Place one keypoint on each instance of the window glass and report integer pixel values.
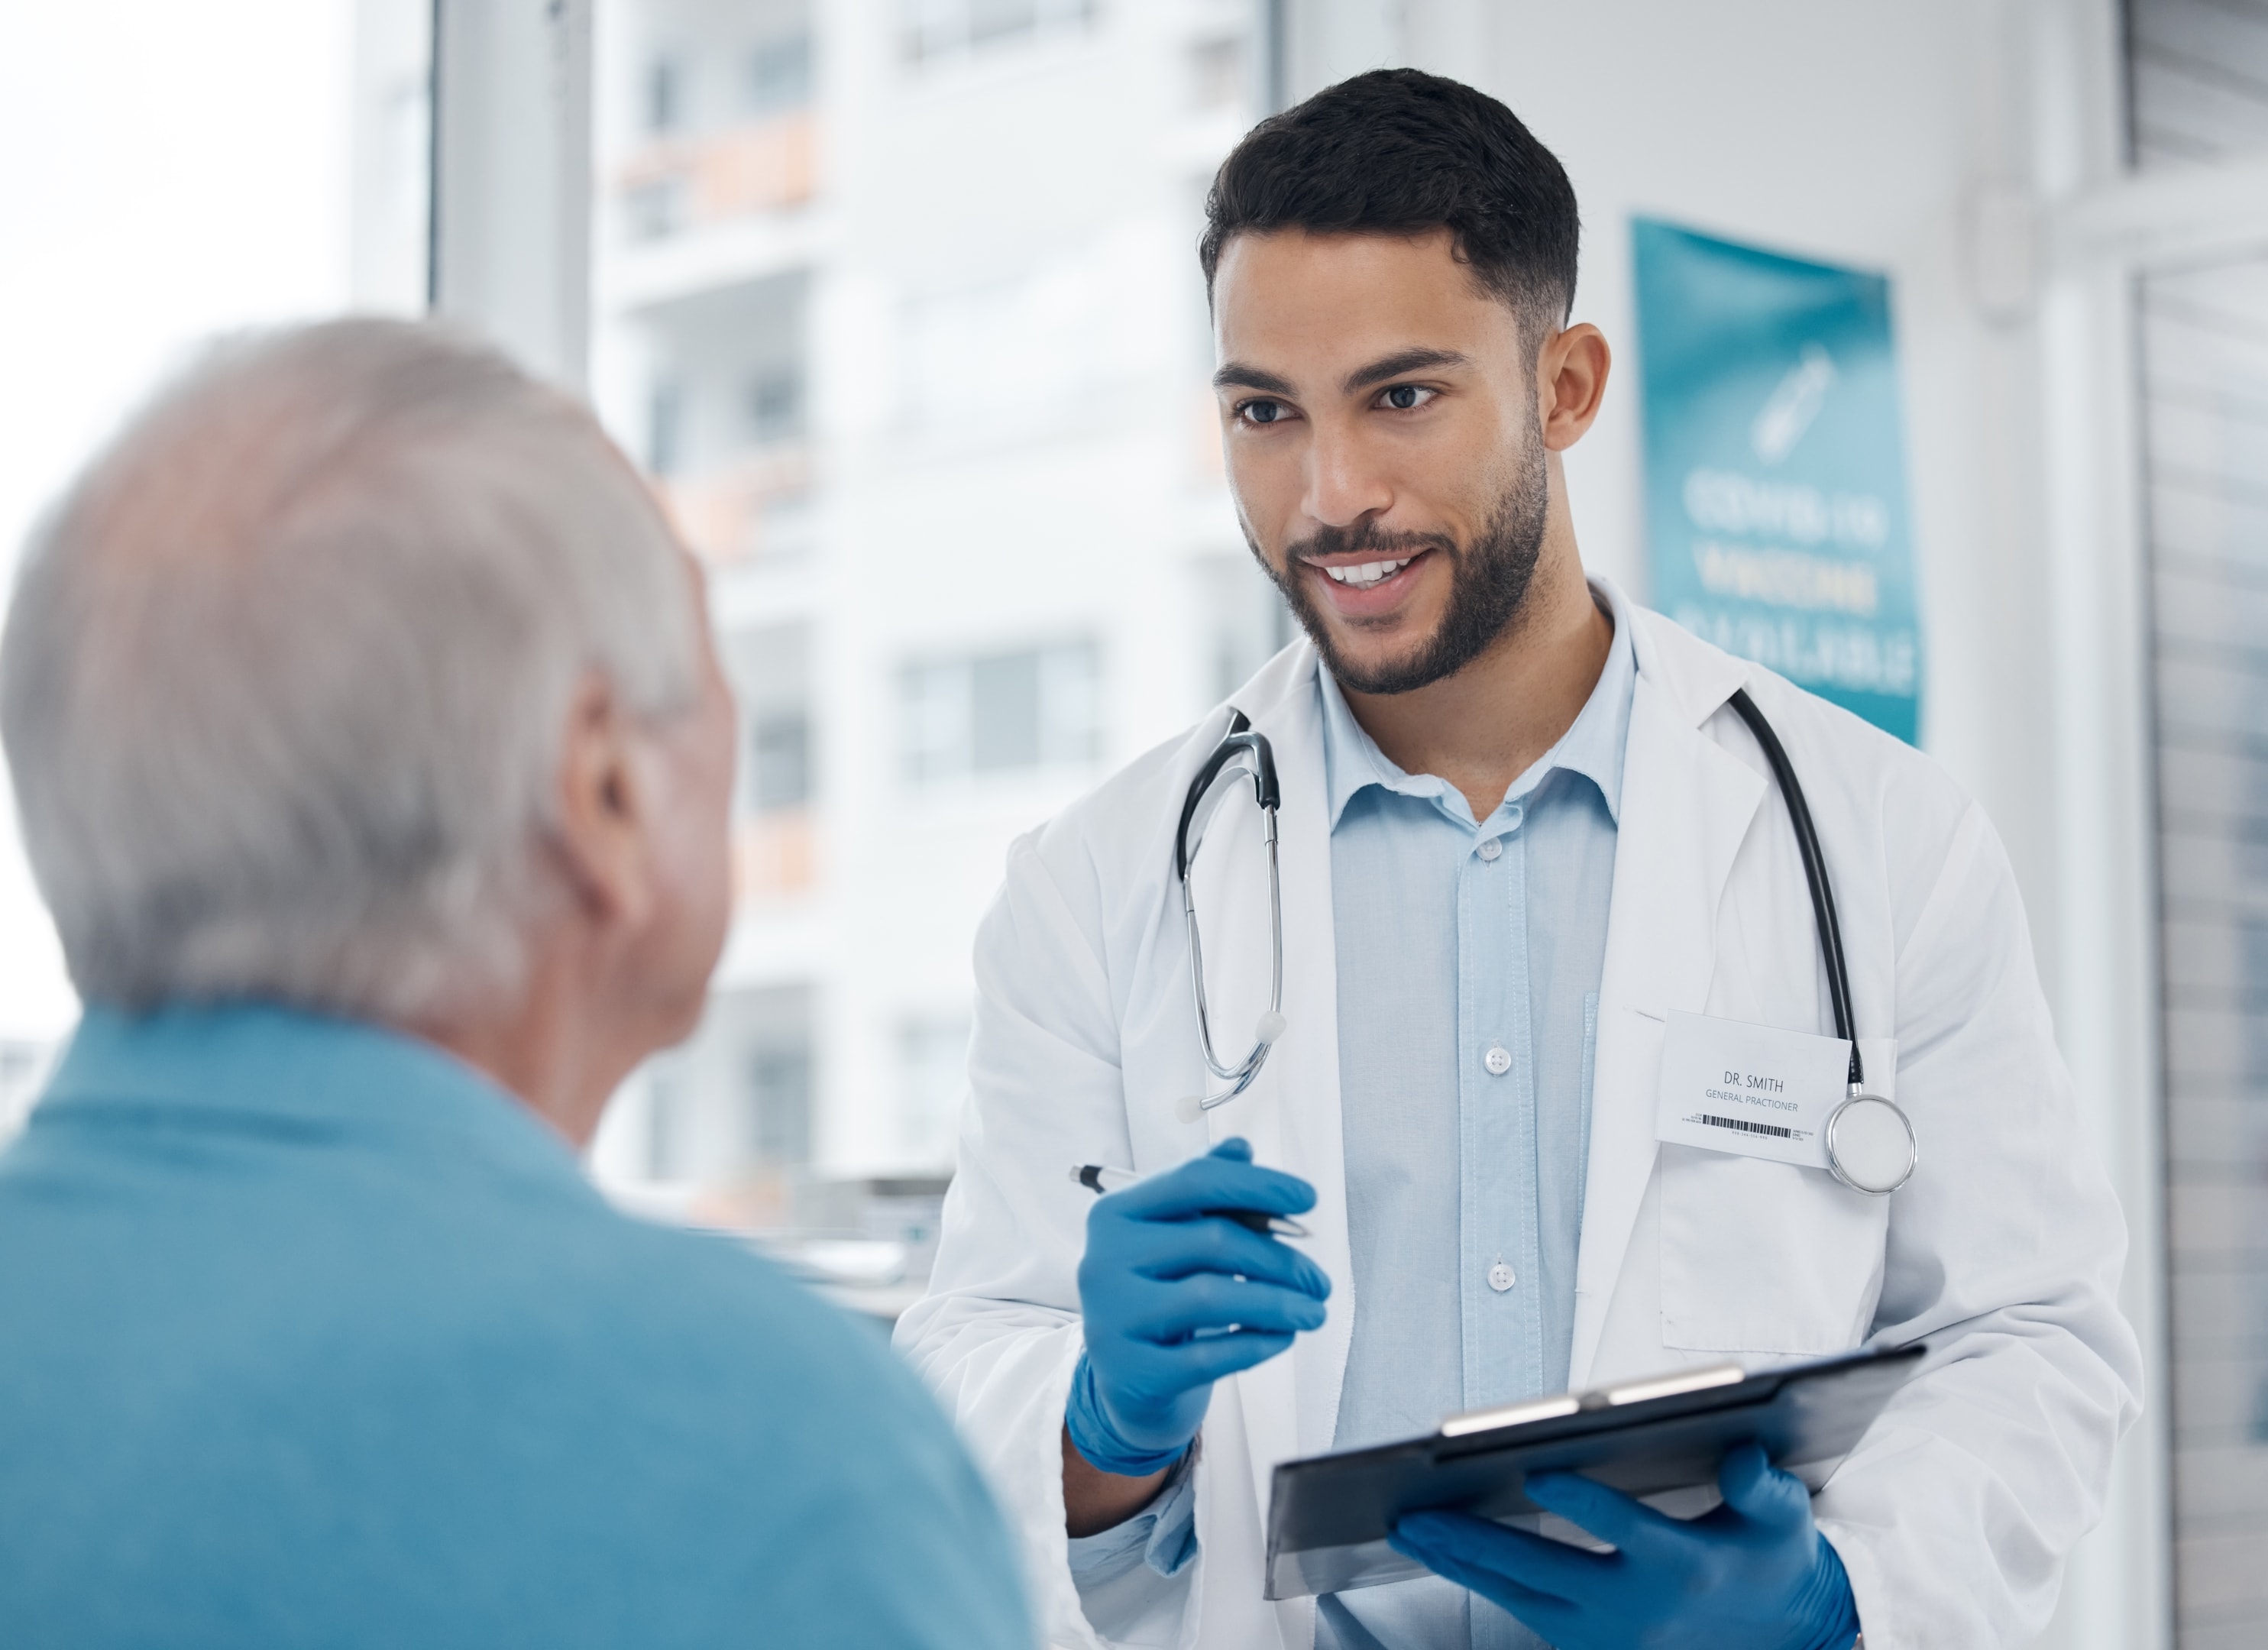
(1000, 713)
(948, 28)
(172, 171)
(779, 74)
(899, 303)
(932, 1055)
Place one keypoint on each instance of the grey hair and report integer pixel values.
(287, 669)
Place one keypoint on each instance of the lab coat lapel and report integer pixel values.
(1686, 805)
(1291, 1114)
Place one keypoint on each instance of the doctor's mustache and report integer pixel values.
(1489, 583)
(1367, 536)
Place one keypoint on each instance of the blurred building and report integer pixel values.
(897, 299)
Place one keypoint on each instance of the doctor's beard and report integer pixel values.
(1489, 583)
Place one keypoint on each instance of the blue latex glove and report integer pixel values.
(1175, 1299)
(1754, 1574)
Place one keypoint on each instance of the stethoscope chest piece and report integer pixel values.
(1870, 1145)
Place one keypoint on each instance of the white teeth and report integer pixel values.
(1369, 573)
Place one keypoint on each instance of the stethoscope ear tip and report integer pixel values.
(1189, 1108)
(1270, 1027)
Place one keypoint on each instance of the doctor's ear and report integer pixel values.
(1571, 382)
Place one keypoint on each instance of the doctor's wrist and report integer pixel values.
(1087, 1424)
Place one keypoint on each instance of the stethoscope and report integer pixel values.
(1869, 1141)
(1248, 754)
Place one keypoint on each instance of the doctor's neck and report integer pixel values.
(1484, 725)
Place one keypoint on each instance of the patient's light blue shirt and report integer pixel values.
(311, 1336)
(1469, 957)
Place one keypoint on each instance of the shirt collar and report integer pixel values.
(1591, 746)
(268, 1061)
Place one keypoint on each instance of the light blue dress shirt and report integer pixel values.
(312, 1336)
(1469, 959)
(1468, 963)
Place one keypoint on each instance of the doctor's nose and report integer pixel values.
(1343, 489)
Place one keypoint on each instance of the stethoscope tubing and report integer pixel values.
(1241, 742)
(1814, 874)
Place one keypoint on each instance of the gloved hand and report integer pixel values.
(1175, 1299)
(1754, 1574)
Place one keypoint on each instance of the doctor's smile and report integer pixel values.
(1375, 573)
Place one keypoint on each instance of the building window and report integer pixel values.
(779, 754)
(1218, 78)
(665, 96)
(932, 1078)
(735, 1100)
(770, 673)
(1001, 712)
(665, 429)
(779, 74)
(775, 402)
(1017, 354)
(946, 28)
(779, 1097)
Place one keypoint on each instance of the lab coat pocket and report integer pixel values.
(1765, 1257)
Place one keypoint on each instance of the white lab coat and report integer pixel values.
(1957, 1510)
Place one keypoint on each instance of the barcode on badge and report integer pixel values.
(1746, 1127)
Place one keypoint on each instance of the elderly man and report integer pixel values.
(373, 759)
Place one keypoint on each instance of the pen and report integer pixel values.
(1099, 1180)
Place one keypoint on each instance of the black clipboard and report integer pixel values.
(1660, 1439)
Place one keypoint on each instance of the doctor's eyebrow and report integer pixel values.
(1236, 375)
(1399, 362)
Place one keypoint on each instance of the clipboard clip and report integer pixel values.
(1669, 1386)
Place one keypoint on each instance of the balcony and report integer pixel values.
(676, 184)
(734, 516)
(772, 858)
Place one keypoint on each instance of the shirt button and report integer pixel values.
(1497, 1059)
(1500, 1278)
(1512, 815)
(1491, 848)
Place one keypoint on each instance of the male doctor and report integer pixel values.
(1521, 827)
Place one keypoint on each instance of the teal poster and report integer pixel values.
(1775, 466)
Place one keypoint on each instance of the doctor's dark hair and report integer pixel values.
(1397, 151)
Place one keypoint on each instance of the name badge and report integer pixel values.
(1755, 1091)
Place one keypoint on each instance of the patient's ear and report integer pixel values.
(601, 817)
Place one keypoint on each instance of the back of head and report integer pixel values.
(1398, 152)
(283, 678)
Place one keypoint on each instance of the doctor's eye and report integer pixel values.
(1405, 397)
(1262, 411)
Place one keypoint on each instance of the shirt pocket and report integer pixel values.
(1766, 1257)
